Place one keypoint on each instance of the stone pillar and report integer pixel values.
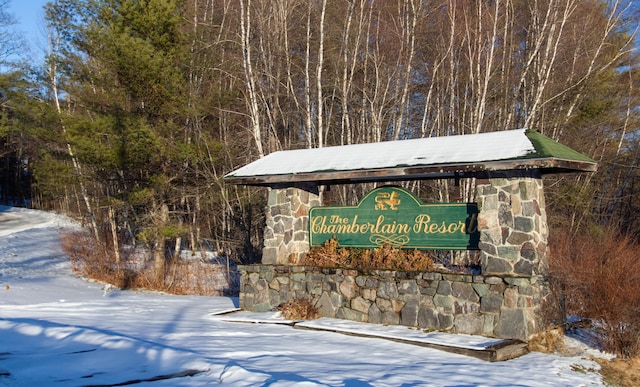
(512, 224)
(286, 234)
(513, 243)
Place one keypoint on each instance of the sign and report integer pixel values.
(395, 216)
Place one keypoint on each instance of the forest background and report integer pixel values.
(141, 106)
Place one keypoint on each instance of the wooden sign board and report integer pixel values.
(395, 216)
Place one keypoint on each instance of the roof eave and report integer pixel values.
(546, 165)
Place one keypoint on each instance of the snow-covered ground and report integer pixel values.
(59, 330)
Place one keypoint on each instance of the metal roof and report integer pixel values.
(470, 155)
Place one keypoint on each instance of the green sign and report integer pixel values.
(395, 216)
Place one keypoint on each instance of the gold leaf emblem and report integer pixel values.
(386, 200)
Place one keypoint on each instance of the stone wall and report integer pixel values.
(512, 224)
(286, 234)
(502, 302)
(494, 306)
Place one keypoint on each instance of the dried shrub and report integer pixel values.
(549, 341)
(92, 260)
(329, 254)
(298, 309)
(136, 271)
(597, 276)
(383, 257)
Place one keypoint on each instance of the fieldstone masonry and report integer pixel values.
(286, 235)
(475, 304)
(504, 301)
(512, 224)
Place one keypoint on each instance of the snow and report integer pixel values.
(60, 330)
(375, 330)
(469, 148)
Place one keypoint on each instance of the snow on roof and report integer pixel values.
(323, 163)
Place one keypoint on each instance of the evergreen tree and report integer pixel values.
(124, 92)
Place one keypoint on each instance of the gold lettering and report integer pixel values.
(354, 225)
(404, 229)
(317, 224)
(421, 220)
(422, 224)
(367, 228)
(378, 223)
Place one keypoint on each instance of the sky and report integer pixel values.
(57, 329)
(30, 17)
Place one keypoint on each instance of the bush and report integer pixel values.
(92, 260)
(549, 341)
(383, 257)
(298, 309)
(598, 276)
(187, 277)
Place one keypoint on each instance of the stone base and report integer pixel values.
(504, 307)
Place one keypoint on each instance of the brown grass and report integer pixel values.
(383, 257)
(618, 372)
(186, 277)
(598, 277)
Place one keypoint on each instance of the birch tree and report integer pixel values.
(247, 64)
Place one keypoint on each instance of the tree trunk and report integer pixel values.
(159, 260)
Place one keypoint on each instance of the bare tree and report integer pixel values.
(11, 43)
(250, 77)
